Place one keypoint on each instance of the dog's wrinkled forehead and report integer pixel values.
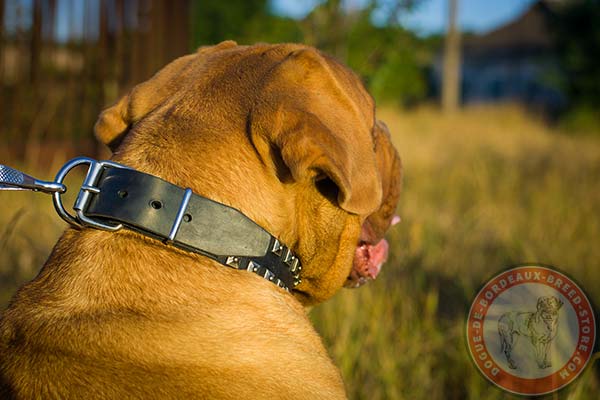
(233, 77)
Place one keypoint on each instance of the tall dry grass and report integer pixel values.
(483, 189)
(29, 227)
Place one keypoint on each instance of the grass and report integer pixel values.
(483, 189)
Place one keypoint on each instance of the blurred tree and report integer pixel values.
(576, 26)
(391, 60)
(327, 26)
(71, 58)
(577, 29)
(371, 40)
(214, 21)
(245, 21)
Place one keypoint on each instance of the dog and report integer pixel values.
(283, 133)
(539, 326)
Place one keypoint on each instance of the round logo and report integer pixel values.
(531, 330)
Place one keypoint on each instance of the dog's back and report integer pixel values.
(79, 330)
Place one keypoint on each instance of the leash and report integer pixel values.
(114, 196)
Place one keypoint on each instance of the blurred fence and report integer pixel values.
(61, 61)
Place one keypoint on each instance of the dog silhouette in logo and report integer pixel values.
(539, 326)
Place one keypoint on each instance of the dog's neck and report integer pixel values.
(155, 279)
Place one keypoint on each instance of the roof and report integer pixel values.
(529, 32)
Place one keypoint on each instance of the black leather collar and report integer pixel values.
(113, 193)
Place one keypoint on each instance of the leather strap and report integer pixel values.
(174, 215)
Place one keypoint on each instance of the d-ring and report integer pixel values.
(87, 189)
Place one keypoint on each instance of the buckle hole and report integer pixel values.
(122, 193)
(156, 204)
(187, 217)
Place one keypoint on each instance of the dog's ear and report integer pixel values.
(114, 122)
(321, 128)
(560, 304)
(312, 151)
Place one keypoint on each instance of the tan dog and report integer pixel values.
(283, 133)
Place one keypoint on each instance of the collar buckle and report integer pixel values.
(87, 190)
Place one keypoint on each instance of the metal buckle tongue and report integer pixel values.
(12, 179)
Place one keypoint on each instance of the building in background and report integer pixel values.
(517, 62)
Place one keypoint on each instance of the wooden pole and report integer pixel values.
(451, 70)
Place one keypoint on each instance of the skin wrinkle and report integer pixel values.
(120, 315)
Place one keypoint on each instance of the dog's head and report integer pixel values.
(283, 133)
(548, 306)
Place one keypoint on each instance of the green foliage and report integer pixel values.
(387, 59)
(399, 79)
(272, 29)
(245, 21)
(214, 21)
(577, 33)
(581, 119)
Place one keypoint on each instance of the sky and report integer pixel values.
(430, 16)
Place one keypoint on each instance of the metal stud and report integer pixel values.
(277, 248)
(252, 266)
(280, 283)
(287, 255)
(233, 262)
(297, 281)
(294, 264)
(266, 274)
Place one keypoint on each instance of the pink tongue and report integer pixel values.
(368, 260)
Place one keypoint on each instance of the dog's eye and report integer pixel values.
(327, 188)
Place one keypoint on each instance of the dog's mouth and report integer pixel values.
(369, 256)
